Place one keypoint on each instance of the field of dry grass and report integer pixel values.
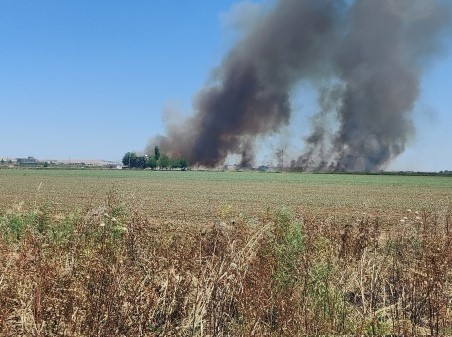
(117, 253)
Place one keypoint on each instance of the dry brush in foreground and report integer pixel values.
(109, 271)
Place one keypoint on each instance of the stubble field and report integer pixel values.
(144, 253)
(198, 197)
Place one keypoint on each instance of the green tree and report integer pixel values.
(174, 163)
(157, 153)
(151, 162)
(129, 159)
(164, 161)
(140, 162)
(3, 161)
(183, 163)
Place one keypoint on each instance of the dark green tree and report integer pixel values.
(140, 162)
(129, 159)
(164, 161)
(157, 152)
(151, 163)
(174, 163)
(183, 163)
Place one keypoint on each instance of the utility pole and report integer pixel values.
(282, 160)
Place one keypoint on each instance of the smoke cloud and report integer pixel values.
(370, 52)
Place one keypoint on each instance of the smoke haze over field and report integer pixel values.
(364, 58)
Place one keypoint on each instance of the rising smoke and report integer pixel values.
(372, 52)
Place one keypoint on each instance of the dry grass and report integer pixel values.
(110, 270)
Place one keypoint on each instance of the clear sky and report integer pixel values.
(89, 79)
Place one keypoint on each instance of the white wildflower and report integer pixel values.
(122, 229)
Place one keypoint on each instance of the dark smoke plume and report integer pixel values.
(379, 61)
(373, 53)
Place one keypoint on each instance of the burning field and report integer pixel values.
(138, 252)
(365, 59)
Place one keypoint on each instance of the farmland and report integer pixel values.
(199, 196)
(149, 253)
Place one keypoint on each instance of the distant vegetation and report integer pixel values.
(158, 160)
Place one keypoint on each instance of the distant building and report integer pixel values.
(30, 161)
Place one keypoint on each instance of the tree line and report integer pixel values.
(158, 160)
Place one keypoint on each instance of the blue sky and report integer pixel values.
(89, 79)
